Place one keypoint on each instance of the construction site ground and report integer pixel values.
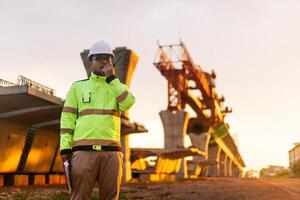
(206, 189)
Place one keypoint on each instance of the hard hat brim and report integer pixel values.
(91, 55)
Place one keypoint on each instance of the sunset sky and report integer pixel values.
(253, 46)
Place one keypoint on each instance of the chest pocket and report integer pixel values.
(86, 96)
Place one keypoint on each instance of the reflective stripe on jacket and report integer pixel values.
(92, 110)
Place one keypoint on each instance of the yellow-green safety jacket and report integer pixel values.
(92, 111)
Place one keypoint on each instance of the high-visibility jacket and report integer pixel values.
(92, 111)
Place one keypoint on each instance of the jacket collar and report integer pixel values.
(97, 77)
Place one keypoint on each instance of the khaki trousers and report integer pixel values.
(104, 167)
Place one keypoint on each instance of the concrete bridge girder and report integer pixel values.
(12, 142)
(16, 120)
(40, 154)
(43, 151)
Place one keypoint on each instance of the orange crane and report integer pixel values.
(185, 78)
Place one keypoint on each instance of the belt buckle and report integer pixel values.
(97, 147)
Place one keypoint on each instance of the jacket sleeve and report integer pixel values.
(124, 97)
(68, 121)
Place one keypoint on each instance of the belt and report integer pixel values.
(96, 148)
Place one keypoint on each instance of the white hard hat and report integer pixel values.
(100, 47)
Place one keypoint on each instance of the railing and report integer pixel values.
(37, 86)
(5, 83)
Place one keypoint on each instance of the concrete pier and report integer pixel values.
(175, 126)
(213, 158)
(222, 163)
(200, 140)
(229, 167)
(126, 159)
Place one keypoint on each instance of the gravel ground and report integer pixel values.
(203, 189)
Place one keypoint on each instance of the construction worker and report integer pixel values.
(90, 128)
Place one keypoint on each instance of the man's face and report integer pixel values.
(100, 61)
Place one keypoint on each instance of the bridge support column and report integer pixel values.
(200, 140)
(126, 159)
(229, 167)
(175, 126)
(213, 159)
(236, 172)
(222, 164)
(233, 170)
(225, 166)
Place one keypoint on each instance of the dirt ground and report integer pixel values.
(203, 189)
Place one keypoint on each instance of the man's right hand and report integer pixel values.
(66, 157)
(108, 70)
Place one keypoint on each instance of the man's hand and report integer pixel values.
(108, 70)
(66, 157)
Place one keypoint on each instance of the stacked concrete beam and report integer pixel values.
(16, 121)
(12, 142)
(167, 166)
